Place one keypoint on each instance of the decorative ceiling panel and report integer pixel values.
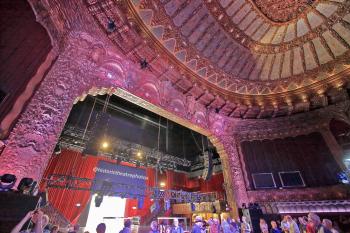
(235, 50)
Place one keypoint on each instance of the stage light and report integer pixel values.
(144, 64)
(105, 145)
(57, 149)
(7, 182)
(139, 154)
(111, 25)
(162, 184)
(98, 200)
(25, 185)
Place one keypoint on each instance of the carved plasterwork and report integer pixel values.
(175, 23)
(283, 11)
(339, 192)
(291, 126)
(88, 66)
(256, 75)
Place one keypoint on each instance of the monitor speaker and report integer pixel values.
(13, 207)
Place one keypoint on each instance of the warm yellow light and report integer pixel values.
(139, 154)
(162, 184)
(105, 145)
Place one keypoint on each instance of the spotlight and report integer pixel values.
(7, 182)
(57, 149)
(162, 184)
(144, 64)
(25, 185)
(105, 145)
(98, 200)
(111, 25)
(139, 154)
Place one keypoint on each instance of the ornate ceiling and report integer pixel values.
(259, 55)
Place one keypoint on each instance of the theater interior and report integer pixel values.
(164, 110)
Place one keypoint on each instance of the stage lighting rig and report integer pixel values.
(25, 185)
(144, 64)
(98, 200)
(57, 149)
(111, 25)
(7, 182)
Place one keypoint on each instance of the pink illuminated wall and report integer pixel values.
(88, 63)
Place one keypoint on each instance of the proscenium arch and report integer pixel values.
(81, 69)
(179, 120)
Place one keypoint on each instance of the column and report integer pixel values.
(33, 139)
(333, 146)
(233, 174)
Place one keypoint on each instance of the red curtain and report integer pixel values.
(65, 200)
(74, 164)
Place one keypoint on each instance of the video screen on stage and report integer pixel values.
(117, 180)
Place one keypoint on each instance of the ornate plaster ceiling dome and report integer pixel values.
(259, 55)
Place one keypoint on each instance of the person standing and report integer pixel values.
(154, 227)
(55, 229)
(245, 226)
(274, 228)
(198, 224)
(328, 224)
(293, 226)
(75, 229)
(235, 226)
(315, 225)
(214, 225)
(101, 228)
(263, 226)
(176, 227)
(226, 227)
(127, 227)
(37, 217)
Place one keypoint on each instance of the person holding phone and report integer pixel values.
(37, 217)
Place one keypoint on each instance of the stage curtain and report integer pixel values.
(308, 154)
(75, 164)
(65, 200)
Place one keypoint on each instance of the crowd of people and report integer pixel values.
(305, 224)
(37, 222)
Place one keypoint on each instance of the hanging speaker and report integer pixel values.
(208, 164)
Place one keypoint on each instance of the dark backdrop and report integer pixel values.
(308, 154)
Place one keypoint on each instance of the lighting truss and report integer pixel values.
(77, 183)
(72, 138)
